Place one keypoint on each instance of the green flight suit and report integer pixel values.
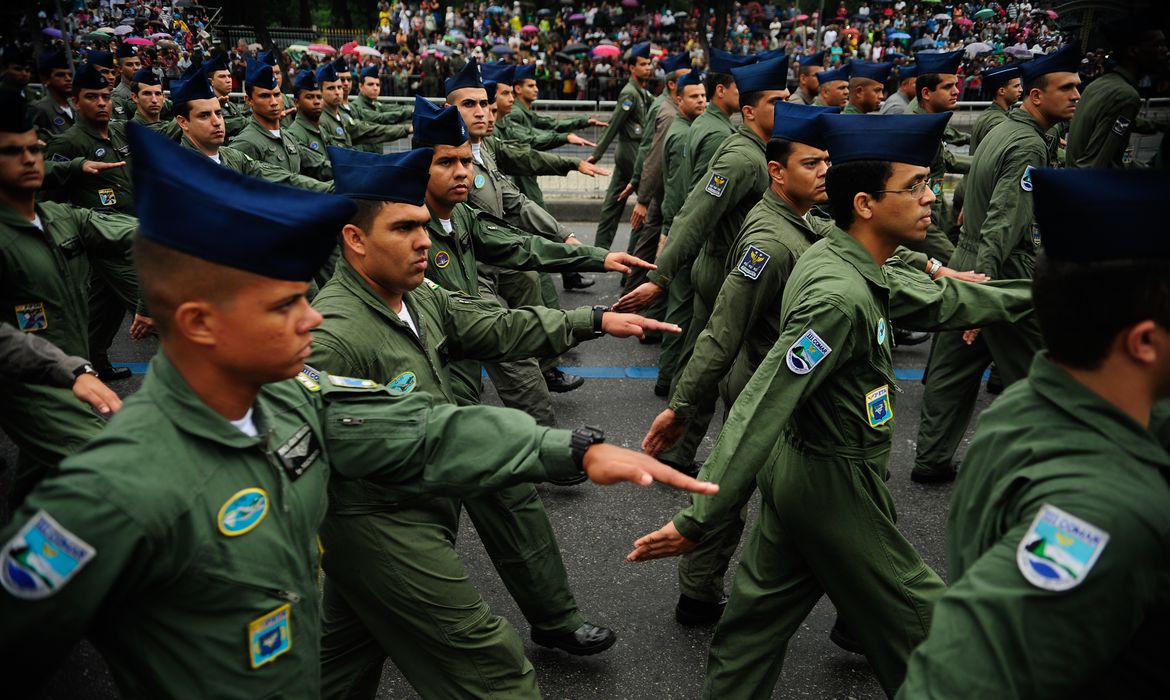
(45, 275)
(525, 118)
(395, 584)
(507, 130)
(937, 244)
(650, 186)
(815, 423)
(50, 118)
(1047, 451)
(314, 142)
(851, 109)
(167, 127)
(680, 303)
(232, 159)
(282, 151)
(987, 121)
(122, 100)
(744, 325)
(999, 238)
(707, 134)
(235, 117)
(1106, 115)
(625, 126)
(703, 231)
(350, 133)
(204, 583)
(373, 112)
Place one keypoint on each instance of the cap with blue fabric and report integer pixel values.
(692, 78)
(524, 72)
(14, 113)
(813, 59)
(797, 122)
(396, 177)
(105, 59)
(502, 73)
(996, 78)
(268, 57)
(769, 55)
(215, 64)
(89, 78)
(145, 76)
(191, 70)
(898, 138)
(305, 80)
(49, 62)
(177, 85)
(1066, 59)
(829, 76)
(466, 78)
(340, 65)
(639, 50)
(326, 74)
(722, 61)
(907, 71)
(125, 50)
(370, 72)
(938, 62)
(873, 71)
(490, 86)
(766, 75)
(267, 229)
(260, 75)
(197, 88)
(1067, 204)
(435, 126)
(677, 62)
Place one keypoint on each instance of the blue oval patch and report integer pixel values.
(479, 181)
(242, 512)
(442, 259)
(100, 152)
(402, 385)
(339, 131)
(59, 121)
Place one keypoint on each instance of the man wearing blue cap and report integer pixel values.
(342, 128)
(899, 101)
(713, 126)
(938, 93)
(264, 139)
(625, 125)
(52, 114)
(367, 107)
(383, 318)
(1003, 84)
(16, 64)
(149, 102)
(272, 57)
(218, 73)
(834, 88)
(809, 85)
(867, 86)
(701, 234)
(213, 570)
(128, 64)
(306, 128)
(998, 238)
(1057, 534)
(815, 421)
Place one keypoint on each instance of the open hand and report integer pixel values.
(91, 390)
(664, 432)
(578, 141)
(93, 167)
(638, 299)
(587, 168)
(609, 464)
(639, 215)
(967, 276)
(622, 262)
(664, 542)
(625, 325)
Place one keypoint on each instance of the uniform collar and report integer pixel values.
(714, 110)
(9, 217)
(746, 131)
(1024, 117)
(183, 408)
(436, 227)
(254, 125)
(1127, 75)
(1097, 415)
(852, 252)
(308, 126)
(93, 133)
(349, 278)
(781, 206)
(670, 106)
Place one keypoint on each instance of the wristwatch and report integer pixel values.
(581, 440)
(598, 312)
(84, 369)
(932, 267)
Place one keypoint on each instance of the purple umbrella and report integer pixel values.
(50, 31)
(629, 3)
(576, 17)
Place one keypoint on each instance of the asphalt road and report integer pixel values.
(654, 656)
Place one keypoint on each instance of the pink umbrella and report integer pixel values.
(629, 3)
(1052, 14)
(800, 18)
(529, 28)
(605, 50)
(322, 48)
(139, 41)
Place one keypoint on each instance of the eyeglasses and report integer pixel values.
(16, 151)
(915, 190)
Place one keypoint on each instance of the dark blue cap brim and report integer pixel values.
(897, 138)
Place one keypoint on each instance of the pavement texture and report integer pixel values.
(654, 657)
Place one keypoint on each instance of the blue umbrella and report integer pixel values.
(923, 43)
(502, 50)
(495, 9)
(899, 35)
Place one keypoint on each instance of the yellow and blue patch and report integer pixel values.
(270, 636)
(753, 262)
(716, 185)
(442, 259)
(352, 382)
(807, 352)
(107, 197)
(41, 558)
(242, 512)
(31, 317)
(1059, 549)
(402, 385)
(309, 378)
(877, 406)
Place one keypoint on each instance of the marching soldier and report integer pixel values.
(1004, 84)
(809, 84)
(867, 86)
(52, 114)
(264, 139)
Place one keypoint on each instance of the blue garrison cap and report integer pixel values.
(216, 64)
(435, 126)
(145, 76)
(828, 76)
(874, 71)
(938, 62)
(524, 72)
(796, 122)
(49, 62)
(813, 59)
(907, 71)
(502, 73)
(898, 138)
(639, 50)
(88, 77)
(326, 74)
(692, 78)
(769, 55)
(340, 65)
(269, 57)
(100, 58)
(676, 62)
(766, 75)
(191, 70)
(1066, 59)
(14, 113)
(260, 75)
(466, 78)
(197, 88)
(996, 77)
(176, 85)
(369, 72)
(722, 61)
(490, 86)
(1069, 212)
(397, 177)
(126, 50)
(239, 222)
(306, 80)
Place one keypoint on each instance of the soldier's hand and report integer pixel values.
(598, 122)
(639, 214)
(622, 262)
(621, 325)
(141, 327)
(665, 542)
(91, 390)
(959, 218)
(664, 432)
(93, 167)
(609, 464)
(572, 240)
(970, 336)
(626, 192)
(968, 276)
(592, 159)
(284, 113)
(587, 168)
(578, 141)
(638, 299)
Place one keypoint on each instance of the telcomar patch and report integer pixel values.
(42, 558)
(753, 262)
(807, 352)
(1059, 549)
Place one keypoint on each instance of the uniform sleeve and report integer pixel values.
(640, 159)
(272, 173)
(650, 183)
(676, 179)
(26, 357)
(484, 330)
(540, 139)
(498, 244)
(109, 244)
(526, 215)
(515, 158)
(544, 121)
(385, 117)
(919, 303)
(417, 446)
(617, 122)
(58, 173)
(1009, 212)
(701, 156)
(315, 164)
(365, 133)
(753, 428)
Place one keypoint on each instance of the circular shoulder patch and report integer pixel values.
(59, 121)
(314, 145)
(99, 152)
(242, 512)
(1059, 549)
(479, 181)
(442, 259)
(402, 385)
(339, 130)
(881, 331)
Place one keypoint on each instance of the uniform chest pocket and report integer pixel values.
(71, 248)
(443, 350)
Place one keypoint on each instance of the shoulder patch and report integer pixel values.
(753, 262)
(402, 385)
(41, 558)
(430, 283)
(1026, 179)
(1059, 549)
(1121, 126)
(309, 378)
(626, 105)
(58, 158)
(807, 352)
(242, 511)
(716, 185)
(352, 382)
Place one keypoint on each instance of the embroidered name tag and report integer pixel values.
(270, 636)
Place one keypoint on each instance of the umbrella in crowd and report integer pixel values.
(942, 17)
(575, 48)
(122, 30)
(977, 47)
(899, 35)
(321, 48)
(161, 35)
(985, 13)
(964, 22)
(606, 51)
(801, 18)
(104, 30)
(576, 17)
(139, 41)
(629, 3)
(544, 12)
(367, 51)
(529, 29)
(502, 50)
(1018, 52)
(50, 31)
(923, 44)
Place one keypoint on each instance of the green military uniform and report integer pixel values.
(122, 98)
(999, 238)
(937, 244)
(1106, 115)
(416, 603)
(706, 135)
(282, 151)
(987, 121)
(44, 279)
(507, 130)
(850, 109)
(816, 422)
(703, 231)
(373, 112)
(524, 117)
(212, 571)
(50, 118)
(349, 133)
(797, 97)
(235, 160)
(679, 306)
(1055, 476)
(650, 185)
(625, 125)
(167, 127)
(315, 140)
(235, 117)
